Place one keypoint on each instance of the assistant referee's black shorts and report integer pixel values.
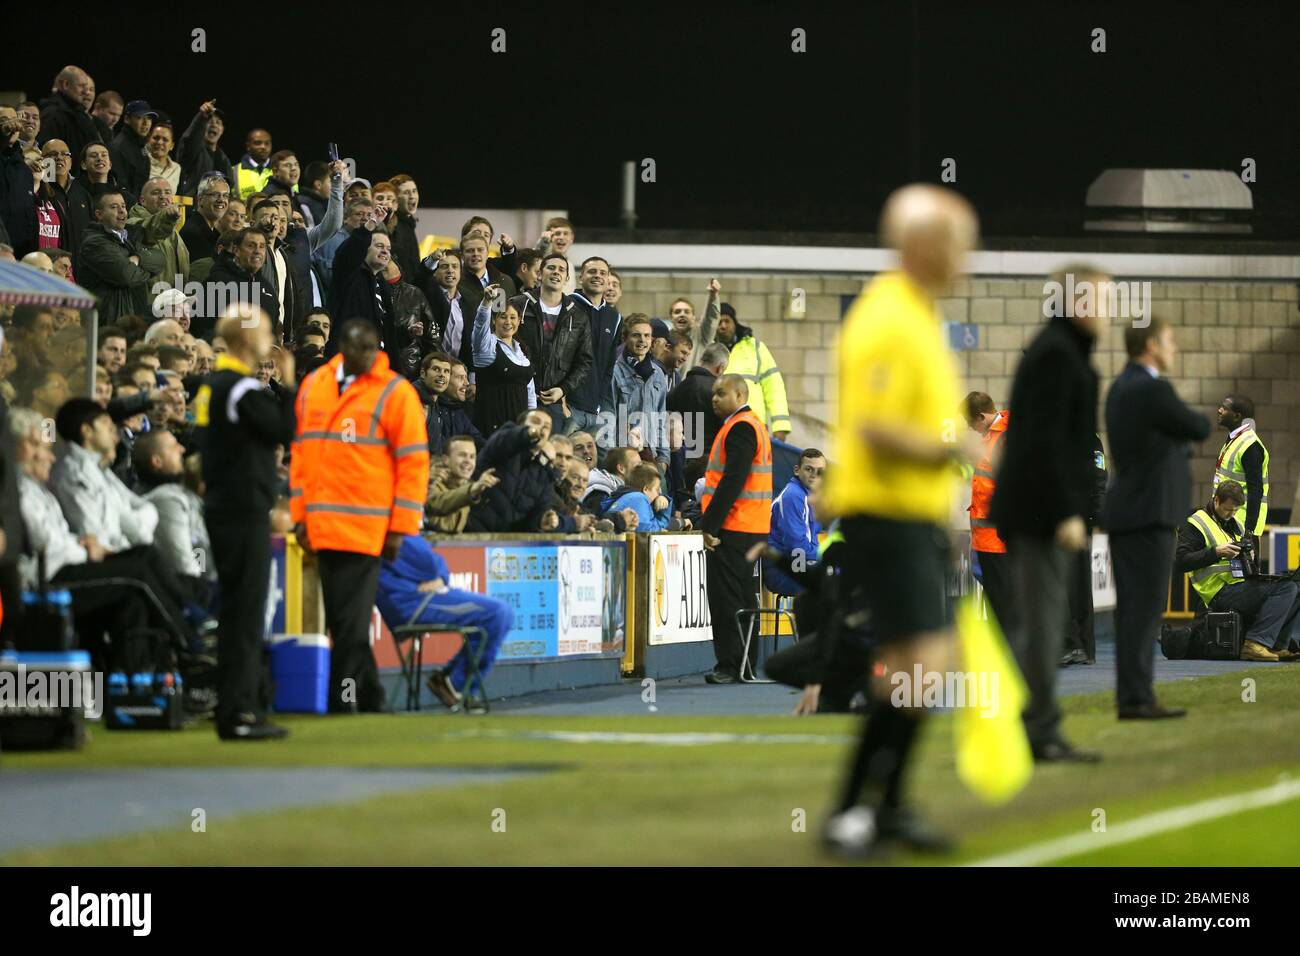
(901, 570)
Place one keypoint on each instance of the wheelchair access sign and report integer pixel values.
(963, 336)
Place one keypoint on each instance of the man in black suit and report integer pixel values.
(1149, 428)
(1042, 495)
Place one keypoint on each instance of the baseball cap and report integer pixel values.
(352, 182)
(660, 328)
(139, 108)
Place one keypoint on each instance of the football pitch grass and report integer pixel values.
(714, 790)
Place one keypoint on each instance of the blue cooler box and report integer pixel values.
(300, 670)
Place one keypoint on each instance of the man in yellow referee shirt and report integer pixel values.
(893, 489)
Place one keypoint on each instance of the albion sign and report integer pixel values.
(679, 595)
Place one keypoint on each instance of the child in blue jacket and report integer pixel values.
(413, 589)
(641, 494)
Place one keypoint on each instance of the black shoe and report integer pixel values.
(903, 825)
(1075, 656)
(251, 729)
(440, 683)
(1058, 751)
(719, 676)
(1151, 712)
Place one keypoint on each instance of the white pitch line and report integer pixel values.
(1166, 820)
(667, 740)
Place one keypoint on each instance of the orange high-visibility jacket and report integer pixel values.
(360, 466)
(983, 536)
(752, 511)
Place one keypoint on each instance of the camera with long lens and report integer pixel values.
(1247, 557)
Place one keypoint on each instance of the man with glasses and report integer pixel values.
(203, 226)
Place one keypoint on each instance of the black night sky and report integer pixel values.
(745, 133)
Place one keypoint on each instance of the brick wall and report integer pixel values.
(1232, 337)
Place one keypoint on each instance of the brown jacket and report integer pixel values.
(447, 507)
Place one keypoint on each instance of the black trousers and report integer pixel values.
(1080, 632)
(995, 569)
(1039, 569)
(241, 549)
(845, 674)
(348, 583)
(122, 608)
(731, 589)
(1143, 562)
(1268, 610)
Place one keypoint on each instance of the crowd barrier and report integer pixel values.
(589, 609)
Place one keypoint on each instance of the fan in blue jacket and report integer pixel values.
(794, 527)
(640, 494)
(413, 589)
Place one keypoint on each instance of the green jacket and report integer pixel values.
(751, 360)
(104, 268)
(160, 231)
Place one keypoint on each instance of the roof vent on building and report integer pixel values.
(1169, 200)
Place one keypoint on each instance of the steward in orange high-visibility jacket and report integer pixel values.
(357, 483)
(983, 536)
(360, 465)
(736, 514)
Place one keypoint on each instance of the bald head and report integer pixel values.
(932, 228)
(246, 331)
(38, 260)
(730, 393)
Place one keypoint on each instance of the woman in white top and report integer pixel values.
(503, 369)
(158, 148)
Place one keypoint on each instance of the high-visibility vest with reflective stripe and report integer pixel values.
(751, 360)
(752, 510)
(252, 181)
(983, 536)
(360, 466)
(1210, 580)
(1231, 468)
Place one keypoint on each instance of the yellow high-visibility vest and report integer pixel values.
(1230, 468)
(1208, 581)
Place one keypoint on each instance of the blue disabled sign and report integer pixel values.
(963, 336)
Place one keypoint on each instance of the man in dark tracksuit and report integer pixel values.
(559, 343)
(1080, 636)
(241, 422)
(596, 394)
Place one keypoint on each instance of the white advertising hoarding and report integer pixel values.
(679, 597)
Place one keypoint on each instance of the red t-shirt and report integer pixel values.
(49, 225)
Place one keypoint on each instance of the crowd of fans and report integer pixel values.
(546, 408)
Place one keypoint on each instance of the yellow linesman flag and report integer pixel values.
(993, 756)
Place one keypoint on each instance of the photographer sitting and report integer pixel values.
(1210, 549)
